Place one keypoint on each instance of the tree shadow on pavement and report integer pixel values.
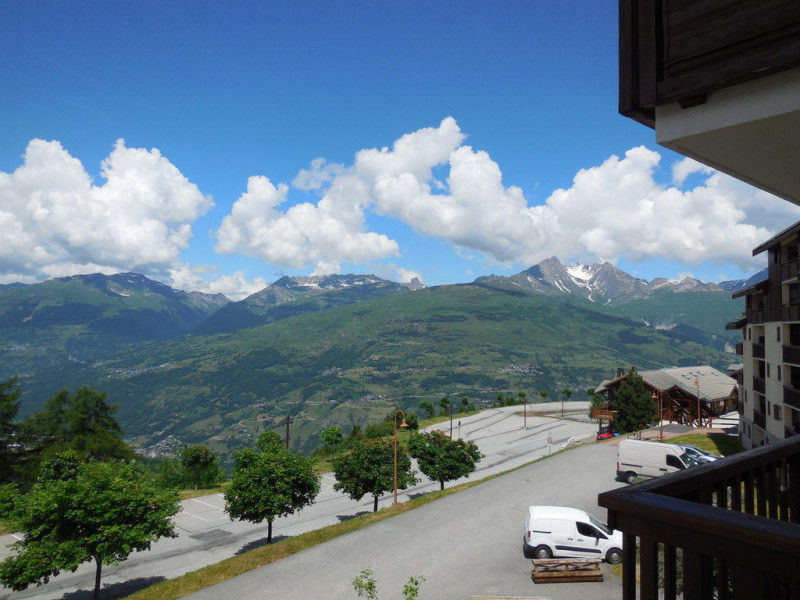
(348, 517)
(115, 590)
(259, 543)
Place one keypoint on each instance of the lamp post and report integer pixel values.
(660, 416)
(699, 419)
(289, 420)
(403, 424)
(451, 421)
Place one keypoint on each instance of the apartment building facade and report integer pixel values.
(770, 346)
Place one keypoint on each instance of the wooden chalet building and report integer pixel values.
(683, 391)
(719, 81)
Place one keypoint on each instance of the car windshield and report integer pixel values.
(689, 460)
(601, 526)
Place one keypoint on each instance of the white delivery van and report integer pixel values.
(558, 531)
(637, 458)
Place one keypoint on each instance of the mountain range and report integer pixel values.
(345, 349)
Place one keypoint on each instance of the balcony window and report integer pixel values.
(794, 334)
(762, 405)
(777, 411)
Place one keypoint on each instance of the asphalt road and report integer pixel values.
(466, 544)
(207, 535)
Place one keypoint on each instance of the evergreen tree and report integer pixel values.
(83, 422)
(9, 442)
(634, 404)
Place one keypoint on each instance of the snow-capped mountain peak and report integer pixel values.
(581, 272)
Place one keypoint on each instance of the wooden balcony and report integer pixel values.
(726, 530)
(758, 350)
(760, 419)
(754, 316)
(759, 385)
(791, 354)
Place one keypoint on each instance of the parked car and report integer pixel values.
(699, 454)
(638, 458)
(559, 531)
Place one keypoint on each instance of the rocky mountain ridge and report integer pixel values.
(602, 282)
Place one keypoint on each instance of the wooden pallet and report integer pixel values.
(566, 570)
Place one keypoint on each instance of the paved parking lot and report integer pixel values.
(207, 535)
(467, 544)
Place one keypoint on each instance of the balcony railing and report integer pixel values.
(726, 530)
(758, 385)
(790, 312)
(760, 419)
(755, 316)
(791, 396)
(758, 350)
(789, 270)
(791, 354)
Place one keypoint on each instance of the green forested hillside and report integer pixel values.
(351, 364)
(700, 316)
(84, 317)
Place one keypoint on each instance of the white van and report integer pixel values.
(558, 531)
(637, 458)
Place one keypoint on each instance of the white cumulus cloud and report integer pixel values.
(615, 210)
(323, 234)
(55, 221)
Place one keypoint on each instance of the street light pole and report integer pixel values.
(403, 424)
(451, 421)
(288, 420)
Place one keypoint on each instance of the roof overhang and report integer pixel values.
(749, 131)
(756, 287)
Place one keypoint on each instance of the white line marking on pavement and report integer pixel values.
(14, 535)
(186, 512)
(206, 503)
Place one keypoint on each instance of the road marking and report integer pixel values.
(206, 503)
(14, 535)
(186, 512)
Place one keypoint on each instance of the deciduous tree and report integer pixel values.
(444, 403)
(442, 459)
(368, 469)
(201, 466)
(426, 406)
(84, 511)
(333, 436)
(269, 484)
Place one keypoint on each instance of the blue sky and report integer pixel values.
(220, 145)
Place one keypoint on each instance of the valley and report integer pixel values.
(349, 351)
